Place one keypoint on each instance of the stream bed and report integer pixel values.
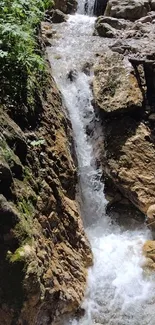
(119, 291)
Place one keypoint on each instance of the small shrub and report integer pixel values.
(22, 67)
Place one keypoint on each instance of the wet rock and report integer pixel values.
(151, 216)
(147, 19)
(120, 209)
(99, 7)
(122, 47)
(58, 16)
(115, 86)
(66, 6)
(47, 32)
(149, 252)
(130, 161)
(132, 9)
(72, 75)
(104, 30)
(152, 4)
(113, 22)
(87, 68)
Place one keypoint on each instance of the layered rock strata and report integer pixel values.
(44, 251)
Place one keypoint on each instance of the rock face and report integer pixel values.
(66, 6)
(115, 86)
(130, 160)
(99, 7)
(128, 9)
(124, 88)
(43, 248)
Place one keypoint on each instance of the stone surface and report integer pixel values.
(130, 166)
(66, 6)
(119, 24)
(99, 7)
(151, 216)
(57, 16)
(130, 160)
(104, 30)
(149, 252)
(44, 251)
(152, 4)
(128, 9)
(115, 86)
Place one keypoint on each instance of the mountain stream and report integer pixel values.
(119, 291)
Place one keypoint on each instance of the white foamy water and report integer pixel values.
(86, 7)
(118, 291)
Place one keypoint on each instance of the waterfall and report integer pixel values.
(118, 291)
(86, 7)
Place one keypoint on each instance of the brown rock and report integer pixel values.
(130, 160)
(115, 86)
(151, 216)
(104, 30)
(57, 16)
(44, 251)
(127, 9)
(66, 6)
(149, 252)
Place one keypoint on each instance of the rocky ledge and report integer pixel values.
(124, 88)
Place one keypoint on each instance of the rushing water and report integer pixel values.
(118, 292)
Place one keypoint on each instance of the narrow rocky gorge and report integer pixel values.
(118, 49)
(86, 156)
(44, 250)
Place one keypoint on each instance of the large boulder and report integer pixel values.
(129, 160)
(109, 26)
(128, 9)
(115, 86)
(66, 6)
(104, 30)
(58, 16)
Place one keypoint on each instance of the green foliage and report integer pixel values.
(18, 256)
(37, 143)
(21, 64)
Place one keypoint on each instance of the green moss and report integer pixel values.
(24, 228)
(26, 207)
(18, 256)
(21, 254)
(27, 174)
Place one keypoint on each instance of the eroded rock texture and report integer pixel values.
(66, 6)
(115, 86)
(43, 248)
(149, 253)
(128, 9)
(124, 89)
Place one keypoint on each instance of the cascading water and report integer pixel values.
(86, 7)
(118, 292)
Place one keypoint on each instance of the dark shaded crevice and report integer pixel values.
(100, 7)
